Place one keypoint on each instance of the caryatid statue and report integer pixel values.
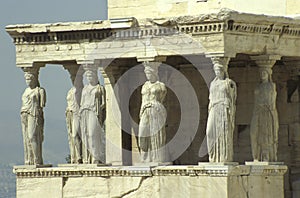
(152, 133)
(73, 119)
(264, 123)
(32, 118)
(221, 114)
(92, 108)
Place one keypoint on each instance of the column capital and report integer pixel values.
(90, 67)
(151, 64)
(31, 70)
(35, 71)
(152, 59)
(31, 65)
(265, 60)
(220, 54)
(85, 62)
(220, 61)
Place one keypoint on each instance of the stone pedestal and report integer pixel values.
(161, 181)
(152, 164)
(258, 163)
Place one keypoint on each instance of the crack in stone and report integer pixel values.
(244, 186)
(65, 179)
(133, 190)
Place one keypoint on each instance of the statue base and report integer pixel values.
(32, 166)
(83, 165)
(258, 163)
(153, 164)
(221, 181)
(218, 163)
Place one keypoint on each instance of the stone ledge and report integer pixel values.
(137, 171)
(32, 166)
(224, 21)
(152, 164)
(82, 165)
(257, 163)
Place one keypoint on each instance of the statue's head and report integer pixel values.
(265, 74)
(219, 71)
(151, 71)
(31, 75)
(92, 77)
(220, 67)
(30, 79)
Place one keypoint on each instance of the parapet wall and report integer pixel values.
(172, 8)
(217, 181)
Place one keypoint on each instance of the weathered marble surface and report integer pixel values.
(256, 27)
(245, 34)
(73, 120)
(39, 187)
(165, 8)
(100, 186)
(171, 181)
(264, 123)
(152, 133)
(32, 119)
(221, 115)
(91, 119)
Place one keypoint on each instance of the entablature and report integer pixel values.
(227, 32)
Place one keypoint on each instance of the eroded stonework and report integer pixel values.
(189, 44)
(174, 181)
(167, 8)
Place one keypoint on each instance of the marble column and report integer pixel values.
(32, 117)
(153, 115)
(113, 123)
(221, 113)
(92, 116)
(72, 113)
(264, 124)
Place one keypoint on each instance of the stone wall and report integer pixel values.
(292, 7)
(170, 8)
(171, 181)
